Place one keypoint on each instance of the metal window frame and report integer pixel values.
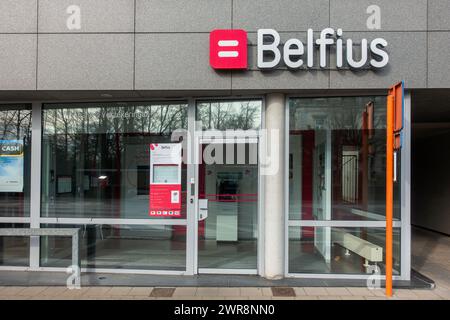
(25, 220)
(35, 220)
(404, 224)
(341, 223)
(338, 276)
(228, 271)
(112, 221)
(35, 185)
(34, 241)
(120, 222)
(405, 174)
(190, 222)
(112, 271)
(199, 140)
(191, 232)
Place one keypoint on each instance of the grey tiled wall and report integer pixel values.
(163, 44)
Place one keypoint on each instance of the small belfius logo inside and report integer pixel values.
(228, 49)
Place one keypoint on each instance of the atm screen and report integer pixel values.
(165, 174)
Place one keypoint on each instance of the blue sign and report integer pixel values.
(11, 165)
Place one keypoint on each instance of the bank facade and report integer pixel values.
(91, 89)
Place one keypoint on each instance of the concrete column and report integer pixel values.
(274, 187)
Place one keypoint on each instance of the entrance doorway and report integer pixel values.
(227, 205)
(226, 196)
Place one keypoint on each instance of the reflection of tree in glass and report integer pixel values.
(15, 125)
(340, 114)
(96, 136)
(242, 115)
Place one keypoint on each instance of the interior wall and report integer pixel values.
(431, 180)
(430, 191)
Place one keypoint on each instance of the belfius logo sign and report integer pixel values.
(228, 50)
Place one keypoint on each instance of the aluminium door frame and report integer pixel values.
(199, 140)
(35, 219)
(198, 136)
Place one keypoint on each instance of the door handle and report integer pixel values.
(202, 209)
(192, 189)
(202, 214)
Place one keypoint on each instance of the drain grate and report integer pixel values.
(162, 292)
(283, 292)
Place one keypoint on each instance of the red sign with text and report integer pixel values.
(165, 180)
(165, 200)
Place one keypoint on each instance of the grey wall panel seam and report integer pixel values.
(134, 48)
(208, 32)
(81, 32)
(17, 33)
(37, 46)
(428, 47)
(347, 31)
(329, 57)
(439, 30)
(232, 14)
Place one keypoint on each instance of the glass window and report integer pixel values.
(96, 159)
(119, 247)
(229, 115)
(14, 251)
(337, 159)
(340, 250)
(15, 159)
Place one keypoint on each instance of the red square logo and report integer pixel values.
(228, 49)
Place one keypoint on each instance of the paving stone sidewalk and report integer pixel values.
(211, 293)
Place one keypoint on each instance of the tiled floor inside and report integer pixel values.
(431, 257)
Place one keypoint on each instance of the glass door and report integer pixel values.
(227, 205)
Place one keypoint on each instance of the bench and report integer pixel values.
(369, 251)
(53, 232)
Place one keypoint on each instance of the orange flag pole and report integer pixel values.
(389, 191)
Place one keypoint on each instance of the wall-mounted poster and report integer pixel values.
(11, 165)
(165, 180)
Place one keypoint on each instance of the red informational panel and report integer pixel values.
(165, 180)
(397, 91)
